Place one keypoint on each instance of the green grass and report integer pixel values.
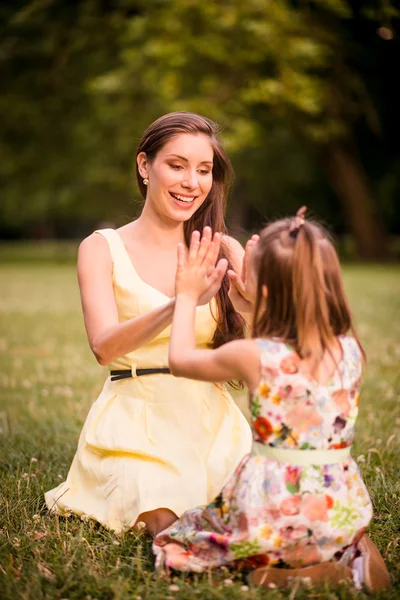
(48, 380)
(39, 252)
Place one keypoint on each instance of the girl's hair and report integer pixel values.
(230, 325)
(306, 303)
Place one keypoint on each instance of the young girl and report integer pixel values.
(298, 499)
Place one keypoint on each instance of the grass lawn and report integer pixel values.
(48, 380)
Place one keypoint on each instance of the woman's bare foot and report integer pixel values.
(155, 520)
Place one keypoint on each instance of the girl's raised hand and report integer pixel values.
(199, 274)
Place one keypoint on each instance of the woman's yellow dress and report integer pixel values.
(156, 440)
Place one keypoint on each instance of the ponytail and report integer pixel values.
(313, 328)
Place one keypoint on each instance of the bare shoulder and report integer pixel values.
(245, 354)
(94, 252)
(93, 245)
(236, 251)
(245, 351)
(248, 346)
(233, 245)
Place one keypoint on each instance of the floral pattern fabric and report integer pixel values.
(275, 513)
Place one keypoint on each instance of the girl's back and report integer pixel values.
(290, 409)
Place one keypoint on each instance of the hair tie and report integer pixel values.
(297, 221)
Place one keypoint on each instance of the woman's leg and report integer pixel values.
(157, 520)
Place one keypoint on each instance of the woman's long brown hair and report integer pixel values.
(306, 303)
(229, 323)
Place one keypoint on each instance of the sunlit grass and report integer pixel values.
(48, 379)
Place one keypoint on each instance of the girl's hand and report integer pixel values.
(198, 276)
(243, 288)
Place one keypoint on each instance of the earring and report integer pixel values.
(146, 181)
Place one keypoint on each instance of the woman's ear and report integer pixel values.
(264, 291)
(141, 160)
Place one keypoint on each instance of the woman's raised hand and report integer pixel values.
(200, 273)
(243, 287)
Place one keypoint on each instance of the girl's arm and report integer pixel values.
(108, 338)
(235, 360)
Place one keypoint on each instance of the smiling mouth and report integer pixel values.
(183, 199)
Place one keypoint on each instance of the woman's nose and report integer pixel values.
(190, 179)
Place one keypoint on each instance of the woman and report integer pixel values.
(152, 445)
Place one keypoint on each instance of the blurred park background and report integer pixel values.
(306, 93)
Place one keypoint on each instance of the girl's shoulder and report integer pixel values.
(352, 358)
(351, 346)
(277, 356)
(274, 346)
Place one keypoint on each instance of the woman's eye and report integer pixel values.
(204, 172)
(176, 167)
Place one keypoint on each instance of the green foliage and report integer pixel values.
(84, 79)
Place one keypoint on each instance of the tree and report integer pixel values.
(83, 79)
(243, 62)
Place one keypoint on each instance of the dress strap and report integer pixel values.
(116, 245)
(352, 362)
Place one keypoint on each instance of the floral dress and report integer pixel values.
(276, 513)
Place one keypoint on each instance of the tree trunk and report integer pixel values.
(350, 182)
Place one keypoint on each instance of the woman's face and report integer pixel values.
(180, 176)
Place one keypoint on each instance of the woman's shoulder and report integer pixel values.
(232, 244)
(236, 251)
(95, 248)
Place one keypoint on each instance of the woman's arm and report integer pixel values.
(108, 338)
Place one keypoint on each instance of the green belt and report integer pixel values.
(301, 457)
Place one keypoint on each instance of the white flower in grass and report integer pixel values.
(228, 582)
(36, 518)
(33, 460)
(244, 588)
(25, 475)
(116, 543)
(174, 588)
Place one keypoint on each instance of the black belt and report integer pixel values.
(126, 373)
